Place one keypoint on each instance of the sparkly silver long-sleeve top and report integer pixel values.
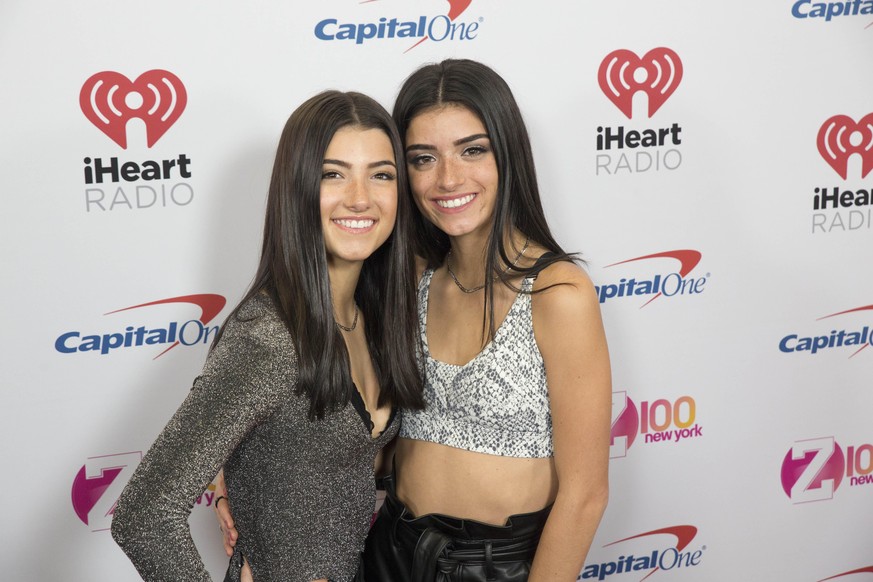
(302, 491)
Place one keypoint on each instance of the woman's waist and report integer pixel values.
(435, 478)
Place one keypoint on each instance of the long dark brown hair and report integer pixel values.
(482, 91)
(293, 265)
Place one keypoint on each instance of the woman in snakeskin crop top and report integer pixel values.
(503, 476)
(298, 394)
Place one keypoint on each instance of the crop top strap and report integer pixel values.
(540, 264)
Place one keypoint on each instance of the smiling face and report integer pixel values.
(452, 170)
(358, 194)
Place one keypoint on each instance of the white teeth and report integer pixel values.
(456, 202)
(355, 223)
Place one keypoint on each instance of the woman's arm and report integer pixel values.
(570, 336)
(236, 391)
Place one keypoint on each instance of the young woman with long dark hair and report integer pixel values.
(503, 475)
(299, 392)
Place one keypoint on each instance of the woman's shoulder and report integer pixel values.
(562, 283)
(257, 317)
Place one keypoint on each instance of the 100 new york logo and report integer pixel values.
(658, 420)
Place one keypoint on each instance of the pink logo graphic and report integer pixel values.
(109, 100)
(97, 486)
(210, 305)
(840, 137)
(625, 425)
(866, 570)
(812, 470)
(622, 73)
(658, 421)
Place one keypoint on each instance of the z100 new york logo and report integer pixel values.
(111, 101)
(813, 469)
(416, 30)
(846, 207)
(628, 150)
(659, 420)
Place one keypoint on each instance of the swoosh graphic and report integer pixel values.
(855, 310)
(867, 570)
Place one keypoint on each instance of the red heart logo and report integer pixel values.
(660, 73)
(109, 100)
(835, 143)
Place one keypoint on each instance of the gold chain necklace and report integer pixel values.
(482, 286)
(354, 323)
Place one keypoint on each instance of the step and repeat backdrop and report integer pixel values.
(713, 164)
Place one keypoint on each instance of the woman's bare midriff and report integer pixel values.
(434, 478)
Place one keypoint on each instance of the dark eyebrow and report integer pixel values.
(372, 165)
(462, 141)
(470, 138)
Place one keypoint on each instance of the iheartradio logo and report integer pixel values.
(622, 74)
(109, 100)
(840, 137)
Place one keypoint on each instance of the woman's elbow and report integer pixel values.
(586, 504)
(122, 525)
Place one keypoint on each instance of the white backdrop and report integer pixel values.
(733, 459)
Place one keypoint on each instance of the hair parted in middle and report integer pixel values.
(293, 265)
(478, 88)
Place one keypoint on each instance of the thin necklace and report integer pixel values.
(482, 286)
(354, 323)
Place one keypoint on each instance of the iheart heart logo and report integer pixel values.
(109, 100)
(840, 137)
(622, 73)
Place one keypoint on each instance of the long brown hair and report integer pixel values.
(293, 264)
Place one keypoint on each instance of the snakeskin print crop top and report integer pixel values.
(497, 403)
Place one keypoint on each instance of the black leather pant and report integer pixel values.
(436, 548)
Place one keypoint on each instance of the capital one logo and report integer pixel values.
(654, 556)
(670, 284)
(439, 28)
(97, 486)
(840, 137)
(109, 100)
(623, 74)
(188, 333)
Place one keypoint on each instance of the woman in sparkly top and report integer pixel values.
(299, 392)
(503, 475)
